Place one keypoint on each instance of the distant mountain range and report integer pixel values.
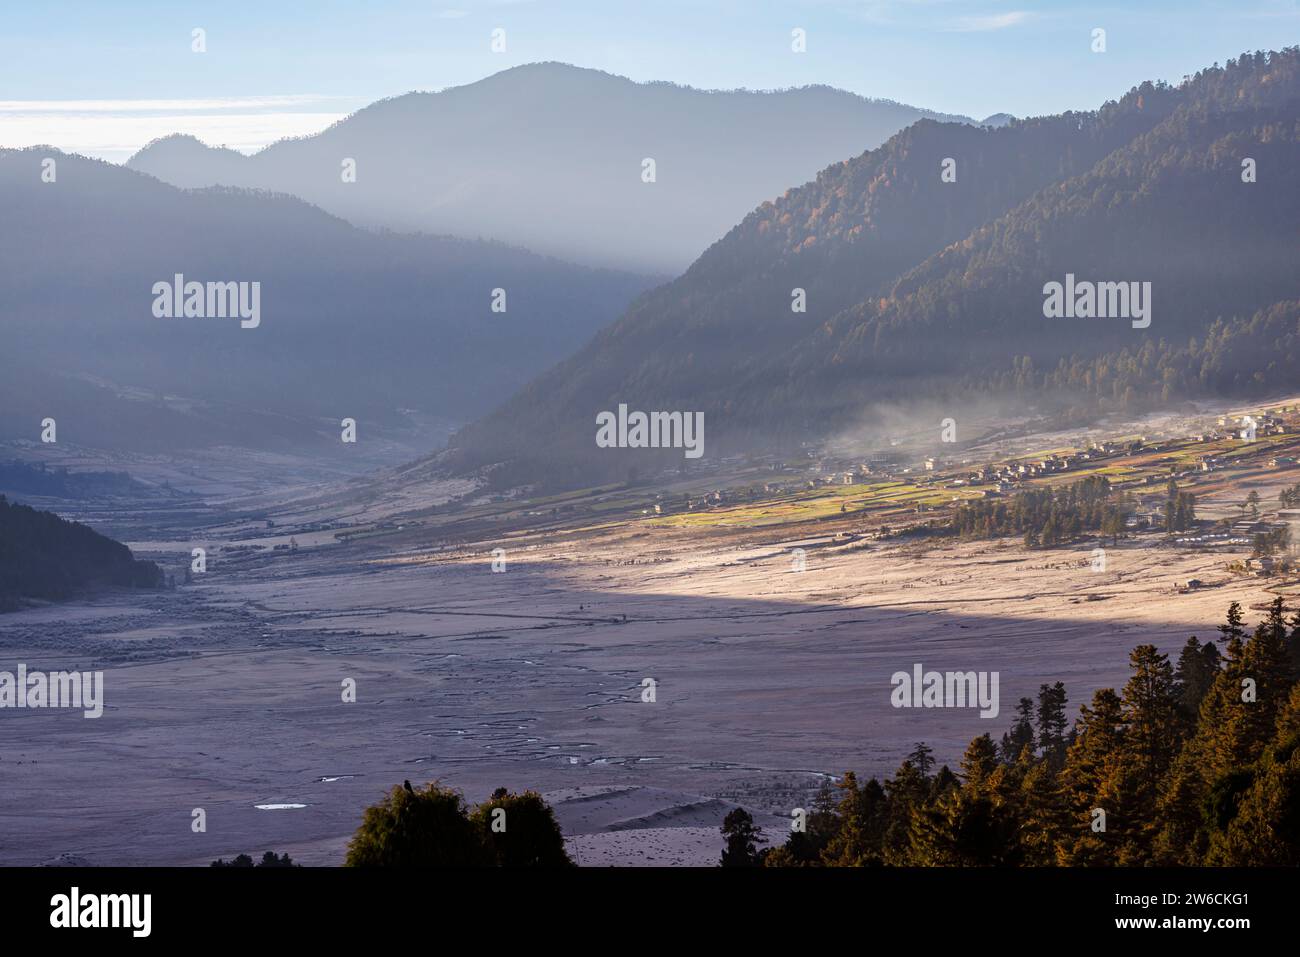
(926, 288)
(370, 325)
(550, 157)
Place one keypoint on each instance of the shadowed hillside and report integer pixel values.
(372, 325)
(44, 556)
(918, 288)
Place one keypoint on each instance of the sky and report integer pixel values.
(104, 78)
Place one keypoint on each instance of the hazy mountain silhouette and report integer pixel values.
(549, 156)
(354, 323)
(923, 289)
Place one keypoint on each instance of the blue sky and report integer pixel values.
(97, 76)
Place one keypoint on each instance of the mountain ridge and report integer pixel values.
(392, 321)
(549, 157)
(946, 288)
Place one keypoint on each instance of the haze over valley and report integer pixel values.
(625, 442)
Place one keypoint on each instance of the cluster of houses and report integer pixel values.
(1006, 475)
(1266, 423)
(822, 470)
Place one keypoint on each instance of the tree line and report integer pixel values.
(1047, 516)
(1191, 763)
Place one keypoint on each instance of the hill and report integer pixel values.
(549, 156)
(377, 326)
(46, 557)
(922, 290)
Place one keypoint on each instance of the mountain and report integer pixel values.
(375, 326)
(46, 557)
(549, 156)
(921, 289)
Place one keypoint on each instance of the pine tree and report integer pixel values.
(1266, 660)
(1197, 666)
(1264, 827)
(971, 826)
(1153, 734)
(978, 765)
(1042, 816)
(1182, 837)
(860, 813)
(905, 790)
(742, 838)
(1150, 712)
(1234, 627)
(922, 755)
(1099, 737)
(1052, 723)
(1021, 734)
(805, 848)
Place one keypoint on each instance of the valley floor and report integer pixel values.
(226, 694)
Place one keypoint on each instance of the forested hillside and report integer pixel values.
(386, 328)
(918, 288)
(44, 556)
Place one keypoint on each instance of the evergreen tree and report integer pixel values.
(1197, 665)
(1052, 723)
(1153, 734)
(1234, 627)
(922, 756)
(860, 814)
(970, 826)
(1021, 735)
(906, 790)
(742, 838)
(1042, 813)
(978, 765)
(1099, 737)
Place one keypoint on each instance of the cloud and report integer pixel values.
(995, 21)
(927, 15)
(115, 129)
(193, 105)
